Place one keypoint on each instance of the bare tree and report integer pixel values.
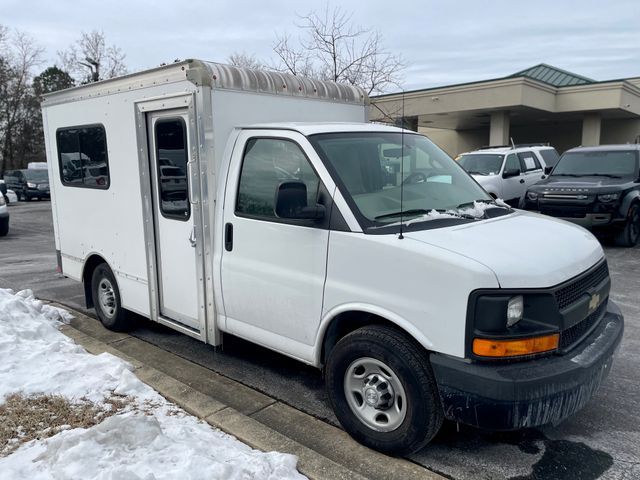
(19, 54)
(333, 48)
(243, 59)
(90, 59)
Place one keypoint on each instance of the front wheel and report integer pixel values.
(106, 299)
(630, 235)
(382, 390)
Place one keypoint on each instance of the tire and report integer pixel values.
(384, 366)
(27, 197)
(106, 299)
(630, 234)
(4, 228)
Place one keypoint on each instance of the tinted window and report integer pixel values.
(512, 163)
(617, 163)
(82, 154)
(36, 175)
(172, 158)
(267, 163)
(550, 157)
(529, 161)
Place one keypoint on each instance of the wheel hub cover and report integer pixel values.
(377, 392)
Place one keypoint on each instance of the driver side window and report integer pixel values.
(266, 164)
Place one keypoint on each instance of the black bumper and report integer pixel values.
(531, 393)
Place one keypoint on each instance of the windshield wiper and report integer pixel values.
(566, 175)
(482, 200)
(414, 211)
(474, 172)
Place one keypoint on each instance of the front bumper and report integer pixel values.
(510, 396)
(37, 193)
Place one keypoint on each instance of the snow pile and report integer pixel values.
(153, 440)
(476, 211)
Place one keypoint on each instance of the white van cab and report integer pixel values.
(506, 172)
(357, 248)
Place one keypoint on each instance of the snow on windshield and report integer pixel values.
(150, 439)
(476, 211)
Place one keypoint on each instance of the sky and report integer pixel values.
(441, 42)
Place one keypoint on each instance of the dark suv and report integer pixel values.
(28, 183)
(596, 187)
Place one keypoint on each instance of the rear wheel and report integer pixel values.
(630, 235)
(382, 390)
(4, 228)
(106, 299)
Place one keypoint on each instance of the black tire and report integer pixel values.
(27, 197)
(4, 228)
(629, 236)
(409, 364)
(113, 317)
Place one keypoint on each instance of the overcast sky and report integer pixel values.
(442, 42)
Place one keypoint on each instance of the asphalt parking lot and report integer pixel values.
(601, 441)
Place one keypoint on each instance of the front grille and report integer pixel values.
(564, 211)
(574, 334)
(569, 294)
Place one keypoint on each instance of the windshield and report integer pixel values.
(480, 164)
(36, 174)
(614, 163)
(374, 169)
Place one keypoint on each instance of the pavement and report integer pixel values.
(601, 441)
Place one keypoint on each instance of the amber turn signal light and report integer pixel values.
(484, 347)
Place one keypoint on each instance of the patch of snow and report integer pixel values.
(156, 441)
(476, 211)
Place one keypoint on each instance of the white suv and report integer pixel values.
(507, 172)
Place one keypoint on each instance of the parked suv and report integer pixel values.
(596, 187)
(506, 172)
(28, 183)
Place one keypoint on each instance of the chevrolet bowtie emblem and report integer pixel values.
(594, 302)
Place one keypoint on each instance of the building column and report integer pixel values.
(499, 129)
(591, 125)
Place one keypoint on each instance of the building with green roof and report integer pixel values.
(539, 104)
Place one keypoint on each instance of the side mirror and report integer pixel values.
(291, 202)
(547, 169)
(513, 172)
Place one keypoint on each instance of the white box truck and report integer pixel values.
(215, 199)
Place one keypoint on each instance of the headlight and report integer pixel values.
(31, 185)
(515, 309)
(532, 195)
(608, 197)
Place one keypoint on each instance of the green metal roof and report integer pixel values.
(552, 76)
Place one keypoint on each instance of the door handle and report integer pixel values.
(228, 237)
(522, 180)
(190, 185)
(192, 237)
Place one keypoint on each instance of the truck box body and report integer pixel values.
(117, 223)
(216, 199)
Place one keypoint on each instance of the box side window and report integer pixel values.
(82, 156)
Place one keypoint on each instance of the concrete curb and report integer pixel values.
(323, 451)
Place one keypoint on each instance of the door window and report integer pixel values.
(266, 164)
(172, 158)
(512, 163)
(529, 161)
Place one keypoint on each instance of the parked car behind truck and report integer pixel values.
(507, 172)
(360, 249)
(28, 183)
(595, 187)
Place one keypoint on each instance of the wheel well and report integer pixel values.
(89, 266)
(346, 322)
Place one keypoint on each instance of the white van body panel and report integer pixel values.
(510, 246)
(424, 289)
